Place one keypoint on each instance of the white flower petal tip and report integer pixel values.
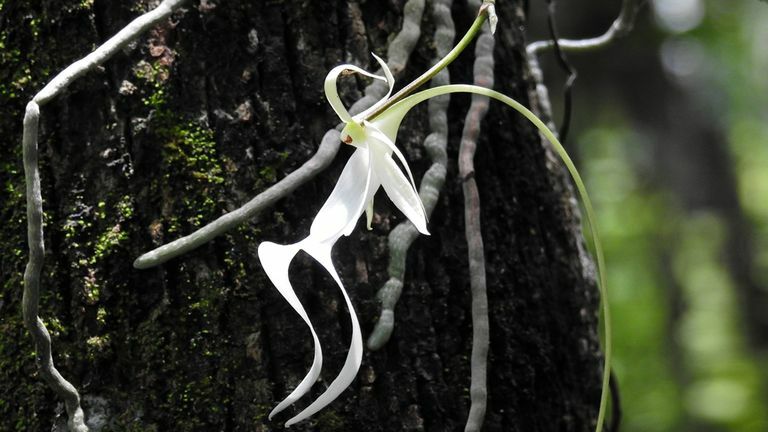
(351, 365)
(390, 82)
(387, 72)
(332, 92)
(369, 214)
(276, 259)
(402, 192)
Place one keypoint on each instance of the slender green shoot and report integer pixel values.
(437, 67)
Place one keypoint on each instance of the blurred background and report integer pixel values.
(670, 129)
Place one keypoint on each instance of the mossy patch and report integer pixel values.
(191, 170)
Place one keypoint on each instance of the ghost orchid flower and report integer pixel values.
(370, 166)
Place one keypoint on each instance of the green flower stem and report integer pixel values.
(442, 64)
(590, 213)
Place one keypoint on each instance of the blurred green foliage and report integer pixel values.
(682, 354)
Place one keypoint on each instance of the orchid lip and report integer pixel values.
(371, 166)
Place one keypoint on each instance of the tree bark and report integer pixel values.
(193, 120)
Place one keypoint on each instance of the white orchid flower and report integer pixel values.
(370, 166)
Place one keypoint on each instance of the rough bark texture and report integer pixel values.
(193, 120)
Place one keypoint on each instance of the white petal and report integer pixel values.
(390, 82)
(371, 186)
(322, 253)
(332, 93)
(345, 204)
(403, 194)
(369, 213)
(372, 189)
(275, 259)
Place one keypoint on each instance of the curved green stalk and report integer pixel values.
(437, 67)
(412, 100)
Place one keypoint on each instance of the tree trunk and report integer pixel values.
(194, 119)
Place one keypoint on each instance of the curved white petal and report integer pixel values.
(322, 253)
(369, 212)
(371, 186)
(403, 194)
(275, 259)
(345, 204)
(390, 82)
(390, 145)
(332, 92)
